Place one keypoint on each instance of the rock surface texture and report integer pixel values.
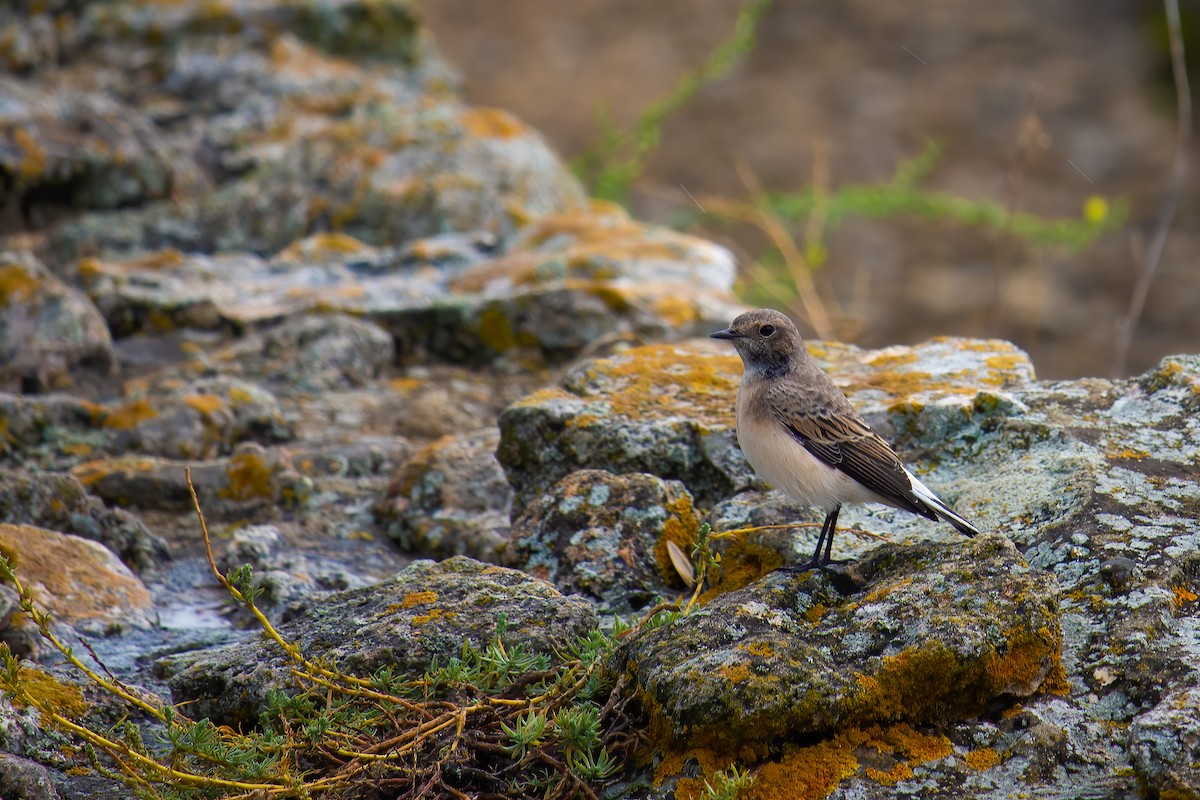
(263, 251)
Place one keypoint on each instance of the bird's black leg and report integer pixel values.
(831, 521)
(826, 539)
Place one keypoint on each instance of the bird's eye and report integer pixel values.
(766, 330)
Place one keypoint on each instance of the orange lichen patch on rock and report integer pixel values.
(418, 599)
(742, 563)
(807, 773)
(17, 284)
(1029, 661)
(206, 404)
(662, 381)
(249, 477)
(709, 762)
(910, 743)
(883, 591)
(73, 578)
(91, 472)
(34, 158)
(891, 357)
(760, 649)
(492, 123)
(1126, 454)
(430, 616)
(495, 330)
(1181, 595)
(982, 759)
(293, 58)
(735, 673)
(680, 527)
(815, 613)
(899, 772)
(43, 689)
(130, 415)
(405, 385)
(322, 246)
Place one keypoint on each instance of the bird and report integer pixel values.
(800, 433)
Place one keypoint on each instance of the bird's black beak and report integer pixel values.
(725, 334)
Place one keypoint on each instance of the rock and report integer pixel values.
(1165, 744)
(66, 150)
(49, 332)
(78, 581)
(451, 498)
(253, 479)
(59, 502)
(203, 419)
(569, 282)
(22, 779)
(429, 610)
(385, 176)
(935, 634)
(605, 536)
(308, 354)
(284, 575)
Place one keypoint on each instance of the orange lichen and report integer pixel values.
(491, 123)
(320, 247)
(814, 614)
(418, 598)
(913, 745)
(249, 477)
(673, 764)
(679, 527)
(1126, 454)
(434, 613)
(742, 563)
(807, 773)
(760, 649)
(899, 772)
(495, 331)
(17, 285)
(1182, 595)
(206, 404)
(982, 759)
(735, 673)
(883, 591)
(129, 415)
(44, 691)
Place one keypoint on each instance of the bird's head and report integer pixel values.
(766, 340)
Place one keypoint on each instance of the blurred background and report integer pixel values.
(885, 171)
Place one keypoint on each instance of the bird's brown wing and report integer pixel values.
(845, 442)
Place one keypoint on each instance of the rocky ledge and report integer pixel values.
(268, 249)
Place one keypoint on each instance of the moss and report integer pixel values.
(982, 759)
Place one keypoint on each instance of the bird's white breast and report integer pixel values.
(785, 464)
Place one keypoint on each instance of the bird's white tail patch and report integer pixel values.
(926, 495)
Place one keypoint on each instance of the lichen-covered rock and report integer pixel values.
(253, 479)
(1165, 744)
(48, 331)
(451, 498)
(81, 151)
(309, 354)
(568, 283)
(430, 610)
(203, 419)
(59, 502)
(23, 779)
(605, 536)
(80, 582)
(935, 633)
(284, 575)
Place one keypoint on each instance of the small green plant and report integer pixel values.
(728, 784)
(495, 720)
(611, 166)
